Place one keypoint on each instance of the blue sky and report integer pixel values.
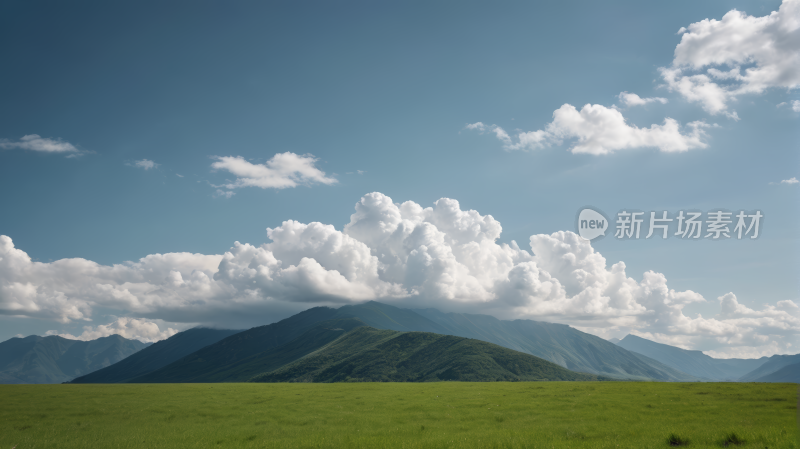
(369, 97)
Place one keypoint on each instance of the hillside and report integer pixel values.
(196, 369)
(234, 358)
(558, 343)
(694, 363)
(53, 359)
(772, 365)
(366, 354)
(157, 355)
(789, 373)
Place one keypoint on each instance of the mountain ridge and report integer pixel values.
(367, 354)
(54, 359)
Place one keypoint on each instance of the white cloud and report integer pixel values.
(34, 142)
(596, 129)
(792, 180)
(282, 171)
(631, 99)
(718, 61)
(403, 254)
(144, 330)
(180, 176)
(145, 164)
(224, 193)
(796, 105)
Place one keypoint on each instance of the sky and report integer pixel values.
(165, 165)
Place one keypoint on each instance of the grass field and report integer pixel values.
(408, 415)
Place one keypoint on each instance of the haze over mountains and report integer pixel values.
(353, 343)
(698, 364)
(54, 359)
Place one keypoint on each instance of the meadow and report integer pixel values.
(402, 415)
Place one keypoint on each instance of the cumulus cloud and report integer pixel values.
(282, 171)
(596, 129)
(792, 180)
(400, 253)
(796, 105)
(34, 142)
(144, 330)
(718, 61)
(145, 164)
(631, 99)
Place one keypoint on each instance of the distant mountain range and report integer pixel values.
(708, 368)
(53, 359)
(379, 342)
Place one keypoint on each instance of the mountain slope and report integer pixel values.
(694, 363)
(789, 373)
(384, 316)
(232, 358)
(773, 364)
(53, 359)
(229, 351)
(244, 368)
(558, 343)
(157, 355)
(372, 355)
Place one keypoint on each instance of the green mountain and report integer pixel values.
(558, 343)
(242, 355)
(694, 363)
(53, 359)
(207, 362)
(384, 316)
(197, 369)
(789, 373)
(772, 365)
(366, 354)
(157, 355)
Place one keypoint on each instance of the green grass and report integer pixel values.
(411, 415)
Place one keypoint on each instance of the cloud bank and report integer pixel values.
(596, 129)
(143, 330)
(403, 254)
(717, 61)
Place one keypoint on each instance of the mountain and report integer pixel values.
(234, 358)
(558, 343)
(207, 362)
(366, 354)
(53, 359)
(196, 369)
(772, 365)
(384, 316)
(694, 363)
(789, 373)
(157, 355)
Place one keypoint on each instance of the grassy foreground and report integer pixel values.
(411, 415)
